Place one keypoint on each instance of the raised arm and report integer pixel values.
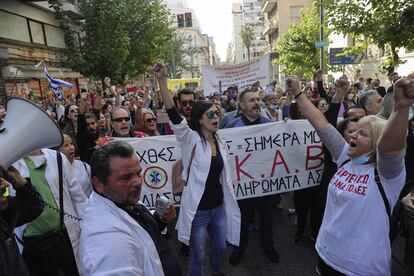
(160, 73)
(393, 138)
(314, 116)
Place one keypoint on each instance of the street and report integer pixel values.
(294, 260)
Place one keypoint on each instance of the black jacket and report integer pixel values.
(23, 208)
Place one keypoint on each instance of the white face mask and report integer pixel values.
(363, 159)
(350, 96)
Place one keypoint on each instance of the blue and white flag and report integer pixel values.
(55, 84)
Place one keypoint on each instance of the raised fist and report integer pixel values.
(293, 85)
(159, 70)
(318, 76)
(404, 91)
(342, 85)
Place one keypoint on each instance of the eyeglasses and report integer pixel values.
(119, 120)
(73, 110)
(185, 103)
(212, 114)
(149, 120)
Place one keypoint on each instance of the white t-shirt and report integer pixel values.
(353, 238)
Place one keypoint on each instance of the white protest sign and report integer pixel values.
(242, 75)
(264, 159)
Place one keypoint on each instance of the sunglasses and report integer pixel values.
(119, 120)
(212, 114)
(149, 120)
(185, 103)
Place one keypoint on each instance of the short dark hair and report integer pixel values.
(185, 92)
(101, 157)
(342, 125)
(365, 99)
(90, 115)
(346, 112)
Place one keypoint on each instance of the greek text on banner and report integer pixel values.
(264, 159)
(242, 75)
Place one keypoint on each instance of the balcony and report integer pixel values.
(270, 26)
(71, 7)
(268, 6)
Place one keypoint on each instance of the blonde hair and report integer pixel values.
(143, 128)
(66, 138)
(377, 125)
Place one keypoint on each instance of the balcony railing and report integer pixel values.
(270, 25)
(268, 6)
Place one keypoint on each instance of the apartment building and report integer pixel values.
(29, 33)
(246, 13)
(200, 48)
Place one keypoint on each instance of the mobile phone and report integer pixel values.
(162, 205)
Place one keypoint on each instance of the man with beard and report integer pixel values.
(186, 99)
(88, 131)
(250, 114)
(119, 234)
(15, 211)
(121, 125)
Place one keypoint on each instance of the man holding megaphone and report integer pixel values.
(15, 211)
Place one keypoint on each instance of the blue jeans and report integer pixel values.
(213, 222)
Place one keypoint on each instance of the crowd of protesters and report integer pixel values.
(75, 210)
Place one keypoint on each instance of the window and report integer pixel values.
(294, 13)
(14, 27)
(54, 36)
(36, 30)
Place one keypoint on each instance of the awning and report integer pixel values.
(30, 71)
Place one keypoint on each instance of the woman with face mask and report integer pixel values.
(354, 236)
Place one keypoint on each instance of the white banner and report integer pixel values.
(264, 159)
(242, 75)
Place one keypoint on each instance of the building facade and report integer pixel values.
(200, 49)
(29, 34)
(246, 13)
(277, 16)
(373, 57)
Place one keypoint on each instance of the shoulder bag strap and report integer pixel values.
(59, 161)
(383, 195)
(191, 161)
(343, 163)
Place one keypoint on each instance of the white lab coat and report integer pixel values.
(194, 190)
(113, 243)
(82, 172)
(74, 199)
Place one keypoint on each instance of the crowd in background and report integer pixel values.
(89, 120)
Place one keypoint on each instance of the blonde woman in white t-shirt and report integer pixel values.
(353, 239)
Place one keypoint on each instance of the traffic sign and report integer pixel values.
(321, 43)
(334, 59)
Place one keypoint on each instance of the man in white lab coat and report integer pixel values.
(119, 236)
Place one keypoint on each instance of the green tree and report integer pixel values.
(174, 56)
(246, 34)
(381, 22)
(296, 48)
(118, 36)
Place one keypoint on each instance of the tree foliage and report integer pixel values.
(118, 37)
(246, 34)
(296, 48)
(174, 56)
(382, 22)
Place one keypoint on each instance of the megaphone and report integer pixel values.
(26, 128)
